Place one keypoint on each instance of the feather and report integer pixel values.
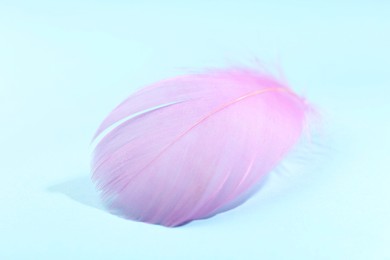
(193, 146)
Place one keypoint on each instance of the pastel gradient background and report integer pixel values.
(65, 64)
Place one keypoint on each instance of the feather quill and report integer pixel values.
(193, 146)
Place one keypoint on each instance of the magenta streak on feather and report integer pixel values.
(263, 91)
(203, 119)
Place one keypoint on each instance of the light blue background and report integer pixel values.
(65, 64)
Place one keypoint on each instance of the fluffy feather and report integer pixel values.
(198, 144)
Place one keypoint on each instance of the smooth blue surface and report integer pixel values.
(65, 64)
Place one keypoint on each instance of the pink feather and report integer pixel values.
(194, 146)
